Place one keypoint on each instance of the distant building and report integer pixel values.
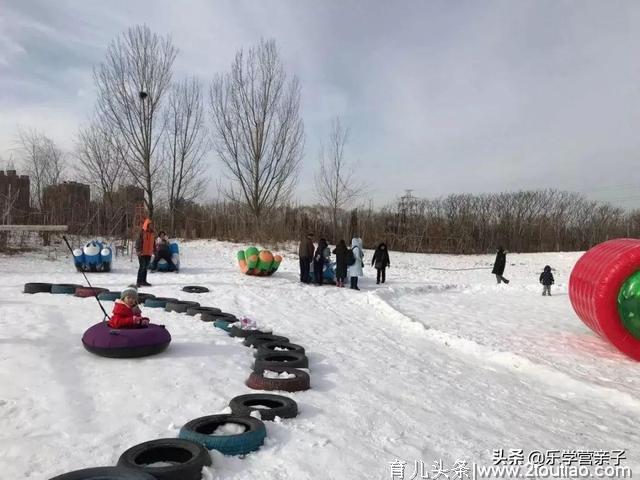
(15, 197)
(68, 203)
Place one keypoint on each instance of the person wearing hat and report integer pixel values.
(126, 313)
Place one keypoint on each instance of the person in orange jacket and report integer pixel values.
(126, 313)
(145, 245)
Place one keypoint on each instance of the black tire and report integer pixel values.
(143, 297)
(193, 311)
(180, 306)
(195, 289)
(199, 430)
(105, 473)
(188, 458)
(270, 347)
(280, 359)
(212, 317)
(239, 332)
(64, 288)
(300, 382)
(158, 302)
(110, 296)
(256, 340)
(37, 288)
(279, 406)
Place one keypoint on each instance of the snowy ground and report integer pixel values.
(440, 363)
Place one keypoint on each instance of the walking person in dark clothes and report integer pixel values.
(144, 247)
(498, 266)
(342, 253)
(546, 279)
(381, 261)
(162, 252)
(305, 252)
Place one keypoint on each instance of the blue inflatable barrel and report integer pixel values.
(106, 255)
(78, 257)
(92, 253)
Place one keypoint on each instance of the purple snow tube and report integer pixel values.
(126, 342)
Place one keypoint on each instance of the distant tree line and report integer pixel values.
(525, 221)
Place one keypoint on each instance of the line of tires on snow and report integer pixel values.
(277, 367)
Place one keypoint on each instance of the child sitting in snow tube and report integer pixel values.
(127, 334)
(126, 313)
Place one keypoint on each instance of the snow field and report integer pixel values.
(438, 363)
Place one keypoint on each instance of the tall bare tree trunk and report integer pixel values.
(184, 146)
(132, 82)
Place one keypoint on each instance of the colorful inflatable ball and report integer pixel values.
(126, 343)
(258, 262)
(604, 289)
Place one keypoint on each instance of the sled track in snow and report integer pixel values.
(507, 360)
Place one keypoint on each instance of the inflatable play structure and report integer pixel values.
(126, 343)
(94, 256)
(604, 289)
(163, 266)
(258, 262)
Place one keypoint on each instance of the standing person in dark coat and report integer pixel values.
(381, 261)
(342, 254)
(318, 261)
(546, 279)
(305, 252)
(498, 266)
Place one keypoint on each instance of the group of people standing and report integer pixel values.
(149, 245)
(349, 261)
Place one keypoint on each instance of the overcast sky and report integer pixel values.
(440, 96)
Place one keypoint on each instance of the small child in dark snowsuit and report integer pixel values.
(546, 279)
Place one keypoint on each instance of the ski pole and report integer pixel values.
(95, 294)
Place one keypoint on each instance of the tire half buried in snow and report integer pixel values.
(126, 343)
(105, 473)
(201, 430)
(167, 459)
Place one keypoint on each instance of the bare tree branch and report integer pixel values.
(258, 133)
(101, 156)
(335, 182)
(132, 82)
(43, 160)
(185, 145)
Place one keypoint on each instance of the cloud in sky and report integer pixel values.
(440, 96)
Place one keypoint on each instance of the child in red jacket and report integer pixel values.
(126, 313)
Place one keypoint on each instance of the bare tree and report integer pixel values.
(132, 82)
(258, 132)
(185, 145)
(43, 160)
(336, 184)
(101, 157)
